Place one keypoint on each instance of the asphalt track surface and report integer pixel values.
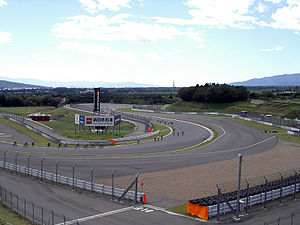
(150, 156)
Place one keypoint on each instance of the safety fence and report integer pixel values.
(286, 124)
(42, 130)
(291, 219)
(30, 210)
(253, 191)
(74, 182)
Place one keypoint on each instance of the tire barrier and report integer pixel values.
(210, 206)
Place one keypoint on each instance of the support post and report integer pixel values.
(219, 202)
(237, 213)
(56, 171)
(4, 159)
(296, 179)
(92, 180)
(42, 167)
(28, 164)
(16, 161)
(247, 199)
(73, 176)
(281, 184)
(265, 202)
(112, 184)
(136, 188)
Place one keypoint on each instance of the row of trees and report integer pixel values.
(214, 93)
(28, 100)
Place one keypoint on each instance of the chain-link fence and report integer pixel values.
(30, 210)
(291, 219)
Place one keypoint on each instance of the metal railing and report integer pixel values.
(73, 182)
(291, 219)
(30, 210)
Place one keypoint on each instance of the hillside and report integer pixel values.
(16, 85)
(279, 80)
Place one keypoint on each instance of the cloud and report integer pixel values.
(153, 55)
(262, 8)
(277, 49)
(4, 37)
(93, 6)
(119, 27)
(2, 3)
(287, 17)
(127, 57)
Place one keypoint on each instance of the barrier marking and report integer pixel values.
(96, 216)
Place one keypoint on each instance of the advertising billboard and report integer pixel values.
(96, 99)
(117, 119)
(95, 121)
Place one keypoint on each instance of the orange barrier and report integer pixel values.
(113, 142)
(149, 130)
(109, 139)
(197, 210)
(145, 198)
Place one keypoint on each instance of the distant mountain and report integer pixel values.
(10, 85)
(279, 80)
(77, 84)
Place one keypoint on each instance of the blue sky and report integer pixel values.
(149, 41)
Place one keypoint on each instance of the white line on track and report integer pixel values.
(96, 216)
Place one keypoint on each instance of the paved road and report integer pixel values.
(234, 138)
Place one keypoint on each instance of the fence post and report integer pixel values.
(278, 221)
(56, 171)
(136, 188)
(11, 200)
(28, 164)
(33, 212)
(1, 194)
(292, 219)
(112, 184)
(219, 202)
(73, 176)
(237, 213)
(24, 207)
(64, 218)
(92, 180)
(247, 199)
(42, 167)
(281, 184)
(17, 206)
(296, 176)
(52, 217)
(266, 183)
(4, 159)
(16, 161)
(42, 215)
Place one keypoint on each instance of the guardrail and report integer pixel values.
(74, 182)
(291, 130)
(21, 120)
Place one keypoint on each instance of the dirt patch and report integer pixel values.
(192, 182)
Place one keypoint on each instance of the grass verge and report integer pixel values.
(8, 217)
(181, 209)
(39, 139)
(282, 133)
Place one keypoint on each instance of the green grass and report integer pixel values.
(277, 108)
(181, 106)
(181, 209)
(25, 111)
(282, 133)
(7, 217)
(62, 122)
(39, 139)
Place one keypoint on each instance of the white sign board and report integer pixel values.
(94, 121)
(77, 119)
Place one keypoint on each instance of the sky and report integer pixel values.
(149, 41)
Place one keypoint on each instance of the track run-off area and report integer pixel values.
(198, 141)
